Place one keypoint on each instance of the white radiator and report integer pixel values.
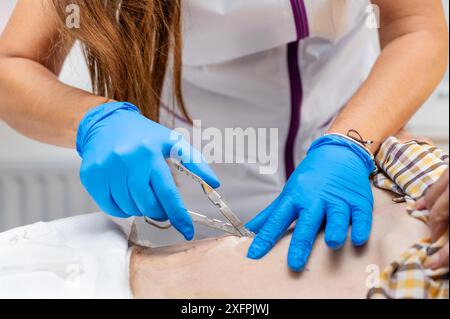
(29, 193)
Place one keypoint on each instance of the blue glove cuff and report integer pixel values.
(95, 115)
(337, 140)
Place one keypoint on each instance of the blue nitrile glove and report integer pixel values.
(332, 182)
(124, 165)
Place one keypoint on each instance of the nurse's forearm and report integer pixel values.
(408, 70)
(37, 104)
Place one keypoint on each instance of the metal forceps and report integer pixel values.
(234, 225)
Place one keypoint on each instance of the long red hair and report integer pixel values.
(129, 46)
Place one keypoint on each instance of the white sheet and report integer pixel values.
(85, 256)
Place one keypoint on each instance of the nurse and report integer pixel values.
(329, 75)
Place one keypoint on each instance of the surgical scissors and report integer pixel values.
(234, 225)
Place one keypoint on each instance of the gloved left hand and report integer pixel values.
(332, 182)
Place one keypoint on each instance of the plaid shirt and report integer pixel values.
(408, 169)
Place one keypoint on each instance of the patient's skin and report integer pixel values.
(218, 268)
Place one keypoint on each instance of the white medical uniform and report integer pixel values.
(285, 64)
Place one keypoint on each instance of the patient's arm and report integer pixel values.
(217, 268)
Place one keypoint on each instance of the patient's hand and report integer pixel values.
(436, 200)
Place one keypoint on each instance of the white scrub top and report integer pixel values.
(285, 64)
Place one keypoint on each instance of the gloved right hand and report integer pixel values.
(124, 165)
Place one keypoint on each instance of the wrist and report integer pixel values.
(357, 142)
(95, 115)
(371, 140)
(346, 142)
